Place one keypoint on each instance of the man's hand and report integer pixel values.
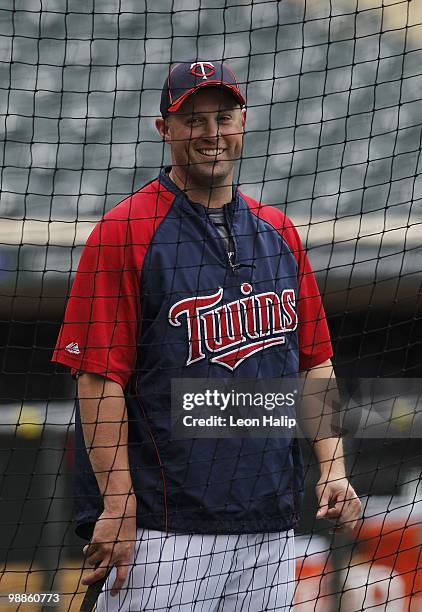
(105, 426)
(112, 544)
(339, 503)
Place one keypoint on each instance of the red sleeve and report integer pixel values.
(314, 337)
(99, 332)
(100, 327)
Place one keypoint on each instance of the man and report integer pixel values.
(174, 282)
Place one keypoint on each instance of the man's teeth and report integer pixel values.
(211, 152)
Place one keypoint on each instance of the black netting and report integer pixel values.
(333, 140)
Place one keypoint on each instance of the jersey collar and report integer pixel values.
(166, 181)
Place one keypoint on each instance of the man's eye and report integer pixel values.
(194, 121)
(224, 118)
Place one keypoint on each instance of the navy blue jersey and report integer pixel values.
(157, 297)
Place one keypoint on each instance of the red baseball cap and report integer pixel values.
(186, 78)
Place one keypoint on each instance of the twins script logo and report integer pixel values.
(250, 324)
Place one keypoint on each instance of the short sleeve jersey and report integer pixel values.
(156, 297)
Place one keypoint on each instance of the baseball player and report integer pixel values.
(190, 278)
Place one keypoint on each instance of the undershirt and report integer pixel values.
(218, 218)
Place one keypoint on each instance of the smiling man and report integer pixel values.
(205, 134)
(190, 278)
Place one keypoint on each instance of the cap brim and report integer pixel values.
(232, 89)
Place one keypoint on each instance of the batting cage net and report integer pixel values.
(179, 299)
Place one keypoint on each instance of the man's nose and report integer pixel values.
(211, 128)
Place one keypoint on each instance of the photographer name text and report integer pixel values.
(232, 421)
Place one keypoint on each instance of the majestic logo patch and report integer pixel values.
(204, 69)
(73, 347)
(250, 324)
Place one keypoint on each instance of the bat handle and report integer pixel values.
(93, 592)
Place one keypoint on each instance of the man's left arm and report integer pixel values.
(337, 499)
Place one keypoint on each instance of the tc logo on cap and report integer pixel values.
(204, 69)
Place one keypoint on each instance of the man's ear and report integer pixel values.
(243, 117)
(163, 128)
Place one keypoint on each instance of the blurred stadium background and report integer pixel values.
(333, 138)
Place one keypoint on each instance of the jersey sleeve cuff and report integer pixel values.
(307, 362)
(83, 365)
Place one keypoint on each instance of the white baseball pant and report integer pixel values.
(206, 573)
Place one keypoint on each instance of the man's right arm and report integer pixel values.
(104, 422)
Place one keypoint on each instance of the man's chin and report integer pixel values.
(213, 173)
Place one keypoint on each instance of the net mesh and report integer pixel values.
(333, 140)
